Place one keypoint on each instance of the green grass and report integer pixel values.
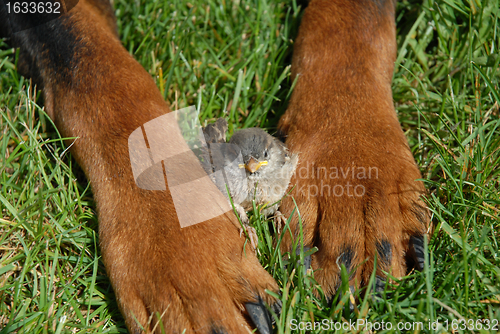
(231, 59)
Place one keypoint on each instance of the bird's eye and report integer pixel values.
(266, 154)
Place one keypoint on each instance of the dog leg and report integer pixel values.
(195, 279)
(356, 182)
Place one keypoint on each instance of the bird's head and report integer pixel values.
(262, 153)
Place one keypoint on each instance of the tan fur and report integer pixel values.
(341, 115)
(197, 277)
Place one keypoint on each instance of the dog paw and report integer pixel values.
(359, 201)
(198, 279)
(356, 186)
(355, 217)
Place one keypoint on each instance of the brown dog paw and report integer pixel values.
(353, 220)
(200, 279)
(355, 185)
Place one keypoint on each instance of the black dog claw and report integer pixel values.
(307, 258)
(276, 307)
(379, 285)
(260, 316)
(417, 243)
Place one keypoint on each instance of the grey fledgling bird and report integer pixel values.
(267, 167)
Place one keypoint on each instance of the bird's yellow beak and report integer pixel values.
(253, 165)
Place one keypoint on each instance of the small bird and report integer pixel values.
(264, 174)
